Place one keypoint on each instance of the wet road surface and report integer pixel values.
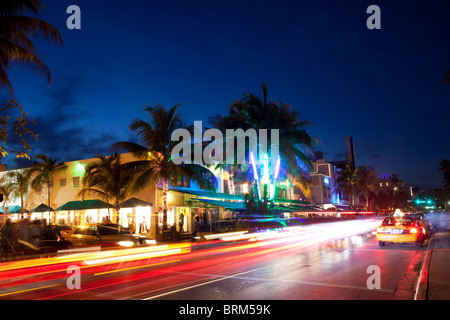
(324, 261)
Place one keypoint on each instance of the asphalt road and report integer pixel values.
(340, 260)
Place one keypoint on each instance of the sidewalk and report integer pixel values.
(435, 281)
(438, 282)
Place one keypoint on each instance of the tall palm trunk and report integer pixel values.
(49, 202)
(367, 201)
(117, 212)
(164, 200)
(21, 205)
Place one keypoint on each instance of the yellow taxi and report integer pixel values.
(401, 230)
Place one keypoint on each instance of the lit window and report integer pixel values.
(75, 182)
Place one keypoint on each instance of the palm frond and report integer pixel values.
(18, 27)
(16, 33)
(137, 150)
(13, 7)
(201, 175)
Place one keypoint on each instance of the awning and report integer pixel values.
(134, 202)
(84, 205)
(281, 207)
(14, 209)
(208, 194)
(297, 205)
(42, 208)
(225, 204)
(290, 201)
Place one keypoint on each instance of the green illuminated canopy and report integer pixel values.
(84, 205)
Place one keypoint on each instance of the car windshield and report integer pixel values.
(80, 231)
(111, 229)
(397, 222)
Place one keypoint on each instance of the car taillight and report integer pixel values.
(380, 230)
(413, 230)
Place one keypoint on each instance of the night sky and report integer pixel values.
(382, 87)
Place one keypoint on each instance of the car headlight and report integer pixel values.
(126, 243)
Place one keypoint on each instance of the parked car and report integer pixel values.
(66, 232)
(106, 234)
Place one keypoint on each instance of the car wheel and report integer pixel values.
(381, 243)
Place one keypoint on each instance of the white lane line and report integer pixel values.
(239, 276)
(201, 284)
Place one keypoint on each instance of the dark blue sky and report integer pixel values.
(383, 87)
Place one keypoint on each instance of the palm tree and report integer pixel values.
(42, 173)
(348, 182)
(367, 183)
(447, 77)
(5, 191)
(108, 179)
(445, 170)
(18, 183)
(295, 143)
(154, 162)
(16, 32)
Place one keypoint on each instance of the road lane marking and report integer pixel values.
(131, 268)
(96, 274)
(405, 289)
(239, 276)
(101, 286)
(27, 290)
(200, 284)
(422, 281)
